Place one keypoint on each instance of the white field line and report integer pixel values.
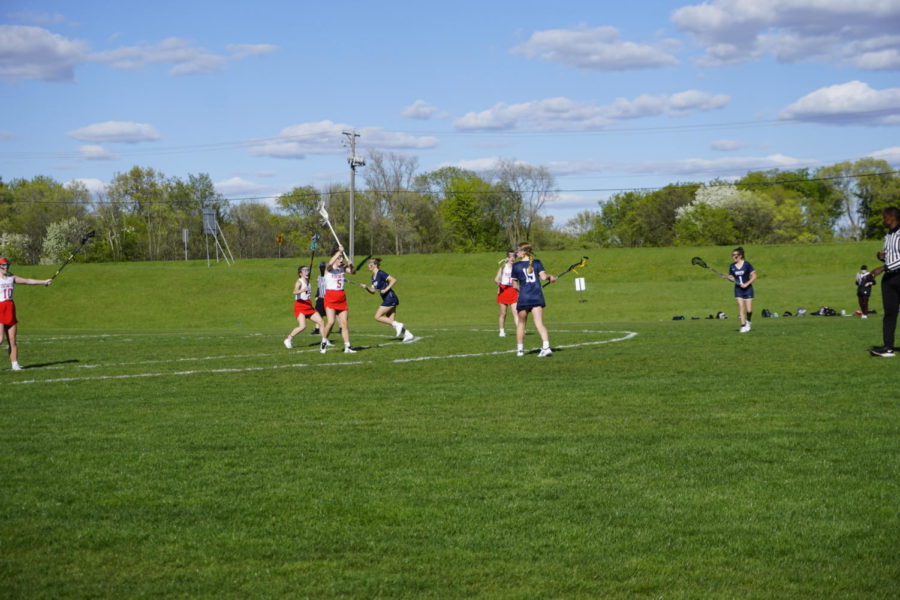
(628, 335)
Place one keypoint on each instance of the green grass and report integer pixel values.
(162, 442)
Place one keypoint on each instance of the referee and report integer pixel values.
(890, 283)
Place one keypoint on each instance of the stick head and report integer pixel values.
(699, 262)
(87, 236)
(322, 211)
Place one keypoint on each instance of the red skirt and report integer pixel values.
(8, 313)
(336, 299)
(507, 294)
(303, 307)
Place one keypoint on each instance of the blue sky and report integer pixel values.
(607, 96)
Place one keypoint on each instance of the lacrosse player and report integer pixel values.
(527, 275)
(8, 319)
(303, 308)
(507, 294)
(743, 275)
(336, 299)
(387, 312)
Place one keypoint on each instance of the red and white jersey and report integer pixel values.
(506, 275)
(6, 287)
(334, 280)
(304, 295)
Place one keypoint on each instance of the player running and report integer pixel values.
(527, 275)
(387, 312)
(303, 308)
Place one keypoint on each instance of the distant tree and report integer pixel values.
(526, 189)
(863, 188)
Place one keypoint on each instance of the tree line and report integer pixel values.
(142, 214)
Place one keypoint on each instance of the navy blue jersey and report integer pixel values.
(379, 282)
(741, 275)
(530, 292)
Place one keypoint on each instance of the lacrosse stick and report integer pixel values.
(324, 214)
(84, 240)
(313, 246)
(360, 264)
(702, 263)
(362, 285)
(579, 265)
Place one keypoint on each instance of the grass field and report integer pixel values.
(162, 443)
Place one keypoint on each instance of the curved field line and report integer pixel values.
(627, 335)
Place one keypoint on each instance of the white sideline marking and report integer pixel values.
(628, 335)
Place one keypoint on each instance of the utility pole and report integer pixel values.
(354, 162)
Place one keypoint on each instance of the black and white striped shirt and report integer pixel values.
(892, 250)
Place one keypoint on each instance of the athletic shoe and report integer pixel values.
(883, 352)
(502, 333)
(744, 329)
(408, 336)
(17, 367)
(323, 346)
(864, 316)
(288, 344)
(349, 350)
(545, 352)
(520, 353)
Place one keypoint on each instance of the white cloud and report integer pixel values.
(94, 152)
(562, 113)
(244, 50)
(481, 165)
(594, 49)
(237, 186)
(419, 110)
(184, 58)
(862, 32)
(35, 53)
(890, 155)
(851, 103)
(94, 186)
(325, 137)
(727, 145)
(694, 167)
(116, 131)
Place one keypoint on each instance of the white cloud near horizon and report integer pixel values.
(325, 137)
(727, 145)
(125, 132)
(861, 33)
(95, 152)
(890, 155)
(563, 113)
(238, 186)
(94, 186)
(596, 49)
(720, 167)
(851, 103)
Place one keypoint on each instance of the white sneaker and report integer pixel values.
(288, 344)
(545, 352)
(349, 350)
(520, 353)
(864, 316)
(743, 329)
(17, 367)
(502, 333)
(323, 346)
(408, 336)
